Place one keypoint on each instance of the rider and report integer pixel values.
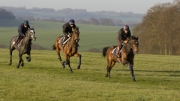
(67, 29)
(123, 36)
(23, 27)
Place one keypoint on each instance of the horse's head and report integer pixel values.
(31, 34)
(76, 34)
(133, 41)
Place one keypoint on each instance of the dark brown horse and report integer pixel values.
(24, 46)
(70, 48)
(127, 55)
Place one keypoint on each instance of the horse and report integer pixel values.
(23, 46)
(69, 49)
(127, 55)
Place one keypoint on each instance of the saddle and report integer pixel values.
(114, 51)
(61, 41)
(18, 40)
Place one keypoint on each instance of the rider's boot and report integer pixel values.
(16, 42)
(117, 52)
(64, 39)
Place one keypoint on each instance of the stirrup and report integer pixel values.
(118, 55)
(16, 43)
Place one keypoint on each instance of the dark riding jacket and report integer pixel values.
(67, 28)
(22, 30)
(121, 35)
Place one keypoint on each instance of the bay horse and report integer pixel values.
(70, 48)
(23, 46)
(127, 55)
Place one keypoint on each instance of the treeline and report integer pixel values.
(100, 21)
(159, 31)
(6, 15)
(80, 15)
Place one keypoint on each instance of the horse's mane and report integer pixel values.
(134, 37)
(77, 27)
(31, 28)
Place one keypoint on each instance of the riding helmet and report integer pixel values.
(71, 21)
(126, 27)
(26, 22)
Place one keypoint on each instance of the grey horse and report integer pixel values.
(24, 46)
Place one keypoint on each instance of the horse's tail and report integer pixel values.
(104, 51)
(54, 47)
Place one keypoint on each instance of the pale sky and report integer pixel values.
(135, 6)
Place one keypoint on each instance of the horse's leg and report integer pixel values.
(109, 67)
(132, 71)
(11, 48)
(79, 62)
(68, 62)
(20, 60)
(59, 57)
(28, 57)
(22, 63)
(10, 52)
(108, 71)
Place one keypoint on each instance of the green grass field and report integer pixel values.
(91, 36)
(43, 79)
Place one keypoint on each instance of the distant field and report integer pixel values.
(91, 36)
(43, 79)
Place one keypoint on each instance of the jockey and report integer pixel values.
(123, 36)
(23, 27)
(67, 29)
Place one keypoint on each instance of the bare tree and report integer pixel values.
(159, 30)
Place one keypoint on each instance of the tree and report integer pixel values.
(6, 15)
(159, 29)
(106, 21)
(93, 21)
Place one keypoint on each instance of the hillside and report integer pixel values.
(6, 15)
(91, 36)
(77, 14)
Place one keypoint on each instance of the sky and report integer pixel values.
(135, 6)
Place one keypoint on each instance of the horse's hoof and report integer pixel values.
(18, 65)
(78, 67)
(10, 64)
(134, 80)
(106, 75)
(28, 59)
(22, 64)
(63, 65)
(71, 71)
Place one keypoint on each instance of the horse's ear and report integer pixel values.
(31, 28)
(132, 37)
(77, 27)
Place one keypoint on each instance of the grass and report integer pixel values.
(43, 79)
